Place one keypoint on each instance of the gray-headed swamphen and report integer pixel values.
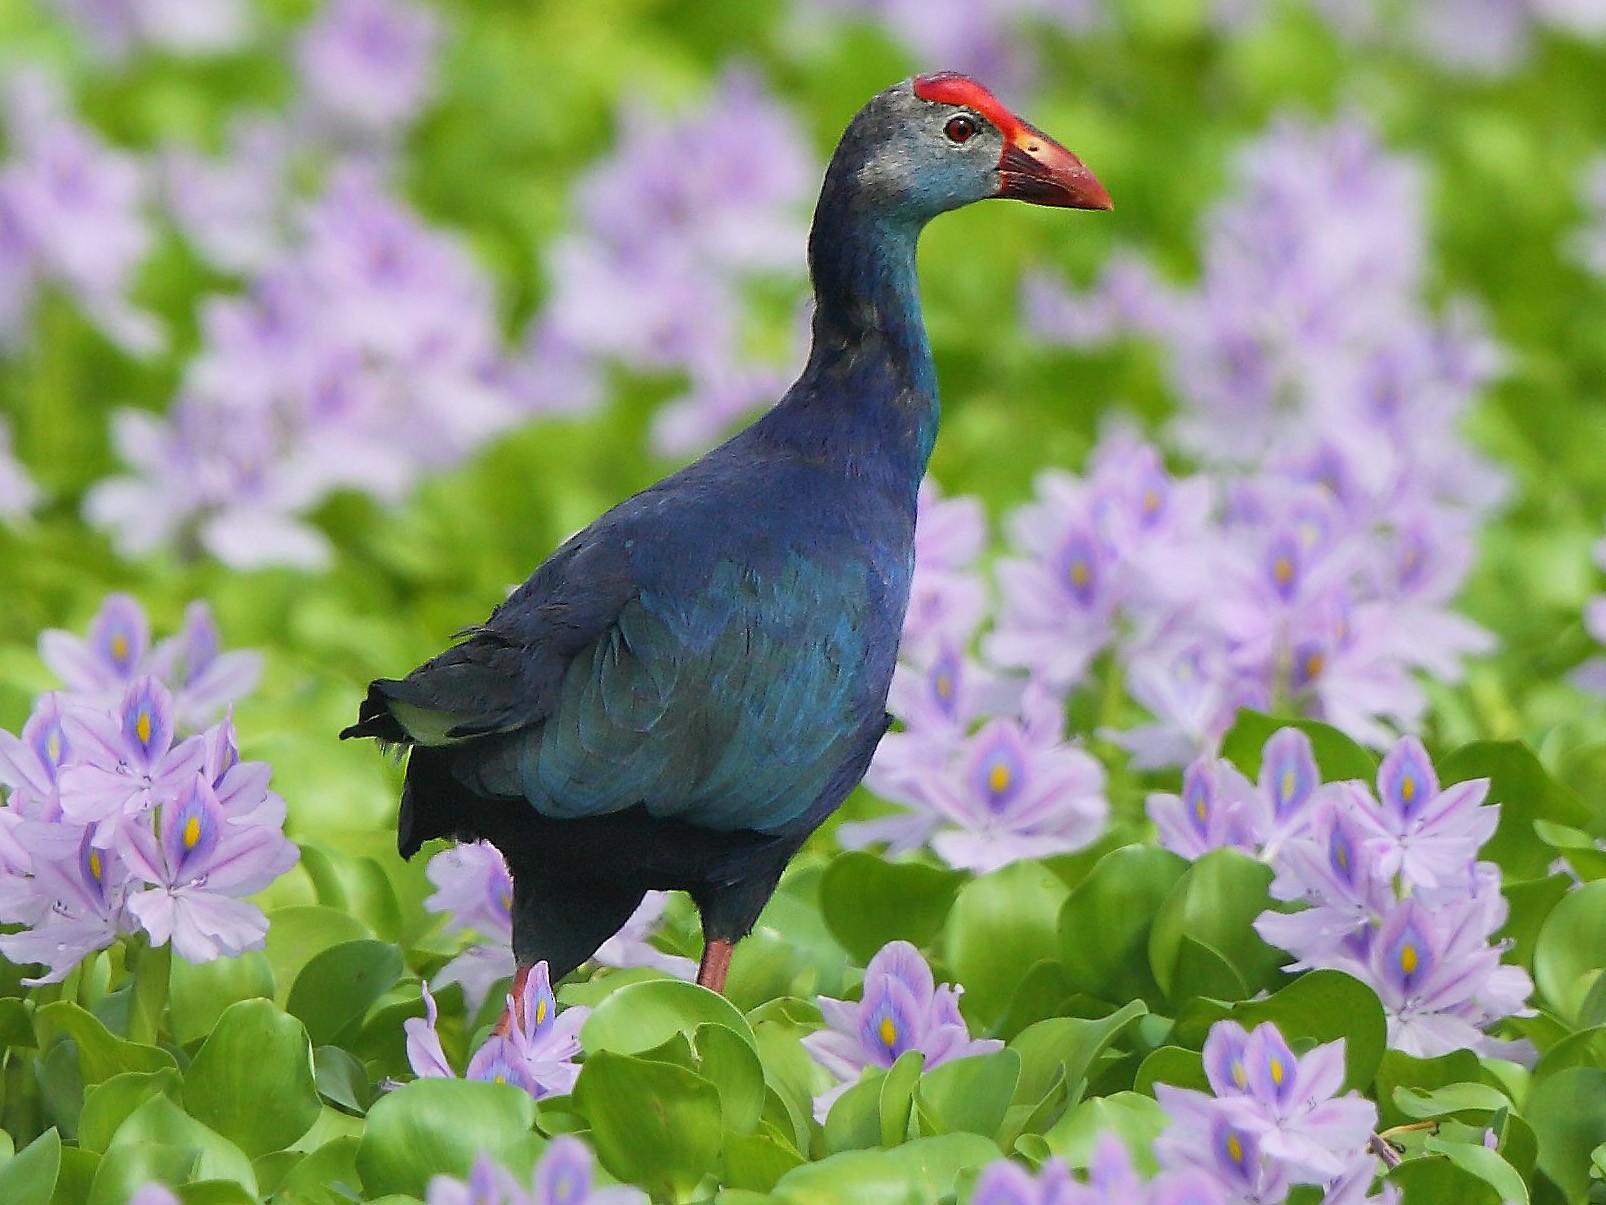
(684, 690)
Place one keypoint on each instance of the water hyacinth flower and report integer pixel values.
(234, 208)
(1111, 1180)
(72, 215)
(536, 1054)
(565, 1175)
(118, 29)
(902, 1009)
(367, 66)
(1271, 1120)
(672, 229)
(115, 822)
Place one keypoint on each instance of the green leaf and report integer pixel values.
(1066, 1047)
(653, 1124)
(1337, 755)
(1571, 951)
(108, 1103)
(332, 1167)
(29, 1176)
(1568, 1114)
(1531, 903)
(854, 1122)
(101, 1054)
(1472, 1103)
(77, 1176)
(1136, 1120)
(1586, 1048)
(338, 986)
(1398, 1070)
(355, 885)
(1104, 925)
(252, 1079)
(1486, 1165)
(1172, 1065)
(1432, 1179)
(342, 1080)
(731, 1064)
(924, 1169)
(16, 1025)
(1000, 926)
(160, 1122)
(200, 991)
(1525, 792)
(436, 1127)
(969, 1095)
(895, 1103)
(299, 933)
(641, 1016)
(755, 1162)
(867, 902)
(1215, 903)
(124, 1169)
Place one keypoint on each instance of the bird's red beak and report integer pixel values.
(1033, 166)
(1037, 169)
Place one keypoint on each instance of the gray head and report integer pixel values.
(937, 142)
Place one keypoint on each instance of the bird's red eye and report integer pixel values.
(960, 129)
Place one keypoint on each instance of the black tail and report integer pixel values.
(374, 718)
(434, 803)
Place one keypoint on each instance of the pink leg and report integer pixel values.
(716, 965)
(514, 1013)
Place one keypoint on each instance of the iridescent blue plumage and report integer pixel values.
(681, 693)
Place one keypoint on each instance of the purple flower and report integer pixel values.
(366, 66)
(564, 1176)
(71, 210)
(1012, 790)
(153, 1194)
(188, 28)
(234, 209)
(536, 1054)
(113, 655)
(204, 680)
(632, 945)
(1425, 835)
(18, 493)
(901, 1010)
(73, 903)
(1209, 814)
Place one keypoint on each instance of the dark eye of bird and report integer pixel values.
(960, 128)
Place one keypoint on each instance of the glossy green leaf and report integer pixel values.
(969, 1095)
(1172, 1065)
(357, 886)
(1568, 1114)
(1066, 1047)
(1435, 1180)
(867, 901)
(341, 1079)
(1531, 903)
(124, 1169)
(337, 986)
(1486, 1165)
(1471, 1102)
(640, 1016)
(1216, 902)
(854, 1121)
(432, 1127)
(1104, 925)
(1337, 755)
(299, 933)
(77, 1176)
(1136, 1120)
(924, 1169)
(108, 1103)
(895, 1102)
(101, 1054)
(730, 1062)
(1571, 952)
(756, 1162)
(1398, 1071)
(1000, 926)
(29, 1176)
(161, 1122)
(653, 1124)
(16, 1025)
(252, 1079)
(331, 1168)
(200, 991)
(1525, 792)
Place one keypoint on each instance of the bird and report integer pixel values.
(687, 688)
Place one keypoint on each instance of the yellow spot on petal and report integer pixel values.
(945, 687)
(1408, 788)
(1408, 959)
(1151, 501)
(888, 1033)
(1235, 1148)
(1080, 574)
(192, 832)
(119, 647)
(1288, 784)
(1239, 1076)
(540, 1010)
(998, 778)
(94, 865)
(500, 1079)
(1314, 664)
(1200, 810)
(142, 726)
(53, 748)
(1277, 1072)
(1283, 570)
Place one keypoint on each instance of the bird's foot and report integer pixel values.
(716, 965)
(513, 1014)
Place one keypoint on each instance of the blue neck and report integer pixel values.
(869, 393)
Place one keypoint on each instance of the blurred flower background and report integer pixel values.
(340, 314)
